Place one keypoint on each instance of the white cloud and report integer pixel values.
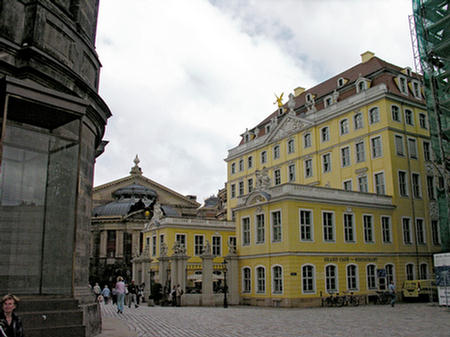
(184, 79)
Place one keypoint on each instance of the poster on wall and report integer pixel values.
(442, 272)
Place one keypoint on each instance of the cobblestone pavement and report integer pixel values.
(412, 319)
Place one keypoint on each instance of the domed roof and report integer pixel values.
(119, 207)
(134, 190)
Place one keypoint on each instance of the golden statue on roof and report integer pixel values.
(279, 100)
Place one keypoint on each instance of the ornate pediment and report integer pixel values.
(257, 198)
(289, 125)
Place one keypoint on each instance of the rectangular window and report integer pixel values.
(344, 126)
(328, 226)
(291, 146)
(161, 243)
(250, 185)
(395, 110)
(291, 169)
(416, 89)
(308, 279)
(154, 245)
(368, 228)
(198, 245)
(409, 117)
(415, 180)
(412, 147)
(399, 145)
(263, 157)
(181, 239)
(277, 177)
(363, 184)
(233, 168)
(379, 183)
(241, 188)
(308, 168)
(216, 245)
(430, 188)
(426, 151)
(374, 115)
(386, 229)
(250, 162)
(403, 183)
(260, 280)
(420, 231)
(377, 150)
(241, 165)
(423, 121)
(358, 121)
(276, 152)
(406, 226)
(245, 231)
(233, 191)
(326, 162)
(306, 225)
(307, 140)
(347, 185)
(349, 232)
(325, 134)
(360, 152)
(435, 232)
(371, 277)
(345, 156)
(260, 228)
(276, 226)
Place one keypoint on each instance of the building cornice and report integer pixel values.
(363, 255)
(191, 223)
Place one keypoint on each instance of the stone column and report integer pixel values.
(163, 266)
(173, 271)
(181, 271)
(207, 280)
(103, 240)
(146, 276)
(233, 279)
(119, 243)
(135, 242)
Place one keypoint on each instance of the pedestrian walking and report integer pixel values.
(392, 293)
(97, 291)
(173, 296)
(10, 323)
(179, 292)
(133, 290)
(106, 293)
(120, 290)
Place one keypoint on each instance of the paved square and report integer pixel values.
(413, 319)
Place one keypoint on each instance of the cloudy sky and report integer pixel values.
(184, 78)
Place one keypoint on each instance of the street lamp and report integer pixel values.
(225, 287)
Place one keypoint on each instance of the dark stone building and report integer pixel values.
(52, 125)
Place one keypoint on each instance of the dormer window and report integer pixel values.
(328, 101)
(416, 89)
(402, 84)
(362, 84)
(267, 128)
(247, 138)
(309, 98)
(340, 82)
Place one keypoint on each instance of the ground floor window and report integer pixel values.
(410, 271)
(246, 280)
(371, 277)
(308, 279)
(331, 278)
(277, 276)
(260, 280)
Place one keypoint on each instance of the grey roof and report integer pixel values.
(118, 207)
(169, 211)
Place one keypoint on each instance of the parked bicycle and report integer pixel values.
(350, 299)
(383, 297)
(334, 300)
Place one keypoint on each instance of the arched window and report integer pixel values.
(246, 280)
(277, 280)
(260, 280)
(352, 277)
(374, 115)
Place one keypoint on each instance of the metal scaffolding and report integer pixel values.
(432, 39)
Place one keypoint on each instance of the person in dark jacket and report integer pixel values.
(10, 323)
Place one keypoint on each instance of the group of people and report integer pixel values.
(122, 294)
(175, 295)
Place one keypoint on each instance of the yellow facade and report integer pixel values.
(374, 144)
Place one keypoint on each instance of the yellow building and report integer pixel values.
(336, 188)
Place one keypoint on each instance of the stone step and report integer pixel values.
(66, 331)
(46, 319)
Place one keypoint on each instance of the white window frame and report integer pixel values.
(263, 157)
(409, 118)
(274, 282)
(306, 226)
(273, 230)
(366, 183)
(415, 88)
(233, 191)
(309, 172)
(246, 281)
(375, 185)
(409, 232)
(250, 161)
(335, 278)
(410, 274)
(426, 151)
(276, 152)
(349, 229)
(290, 146)
(346, 156)
(196, 245)
(257, 229)
(355, 276)
(333, 227)
(276, 177)
(328, 155)
(371, 278)
(399, 143)
(244, 232)
(416, 188)
(368, 230)
(344, 127)
(233, 168)
(397, 112)
(422, 232)
(347, 185)
(325, 134)
(216, 249)
(360, 156)
(358, 120)
(386, 232)
(412, 148)
(403, 188)
(250, 185)
(307, 140)
(306, 279)
(375, 150)
(291, 173)
(423, 121)
(241, 188)
(182, 235)
(374, 115)
(241, 165)
(257, 280)
(402, 83)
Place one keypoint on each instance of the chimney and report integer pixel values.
(298, 91)
(366, 56)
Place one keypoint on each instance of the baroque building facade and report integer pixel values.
(335, 191)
